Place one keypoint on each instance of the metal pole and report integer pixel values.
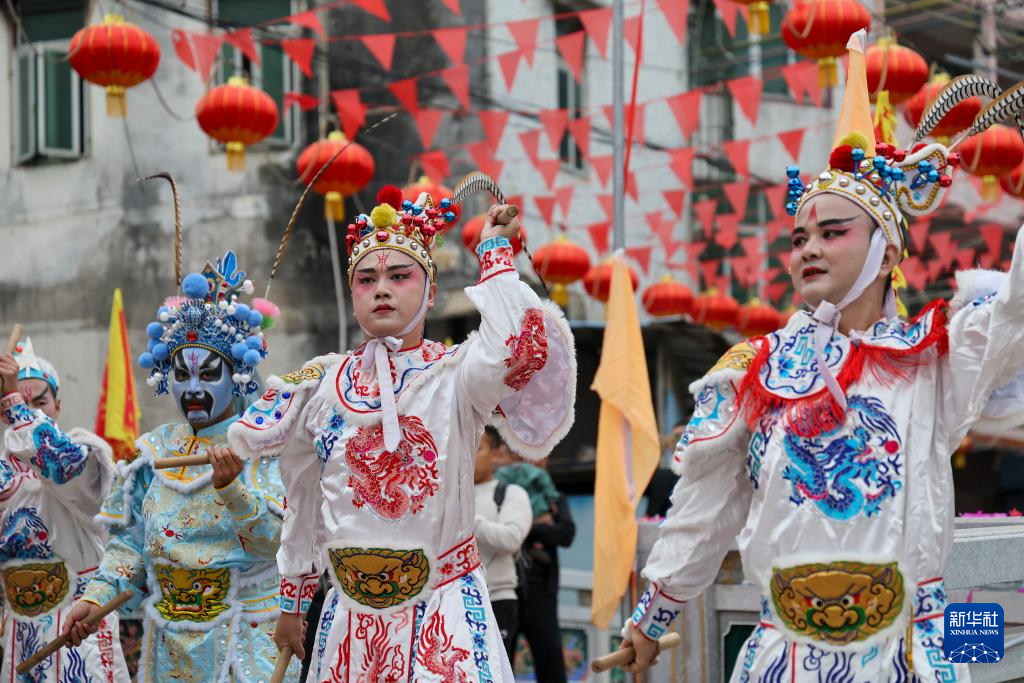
(339, 292)
(618, 127)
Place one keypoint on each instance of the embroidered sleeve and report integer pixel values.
(986, 347)
(297, 592)
(655, 612)
(522, 357)
(711, 500)
(254, 501)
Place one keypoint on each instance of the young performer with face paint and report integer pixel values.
(49, 543)
(823, 448)
(202, 539)
(377, 449)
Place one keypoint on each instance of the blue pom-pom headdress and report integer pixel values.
(208, 316)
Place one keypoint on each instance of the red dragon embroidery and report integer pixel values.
(435, 651)
(529, 350)
(397, 483)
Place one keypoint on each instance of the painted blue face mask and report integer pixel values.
(201, 384)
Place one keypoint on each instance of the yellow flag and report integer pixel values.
(117, 418)
(627, 446)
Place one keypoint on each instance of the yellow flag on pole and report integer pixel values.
(627, 446)
(117, 418)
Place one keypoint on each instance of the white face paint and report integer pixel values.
(201, 384)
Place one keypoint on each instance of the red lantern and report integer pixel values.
(1014, 183)
(957, 119)
(996, 152)
(561, 263)
(668, 297)
(475, 225)
(237, 114)
(758, 17)
(820, 29)
(715, 310)
(115, 54)
(756, 318)
(598, 281)
(348, 174)
(896, 69)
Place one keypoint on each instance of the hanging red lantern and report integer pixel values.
(475, 225)
(958, 118)
(668, 297)
(1014, 182)
(561, 263)
(715, 310)
(115, 54)
(820, 29)
(437, 192)
(996, 152)
(758, 16)
(756, 318)
(237, 114)
(896, 69)
(347, 175)
(598, 281)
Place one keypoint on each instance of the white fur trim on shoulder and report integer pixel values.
(975, 284)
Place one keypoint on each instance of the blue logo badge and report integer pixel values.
(974, 633)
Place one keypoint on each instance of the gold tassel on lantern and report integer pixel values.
(759, 21)
(334, 206)
(827, 73)
(116, 104)
(560, 295)
(236, 156)
(990, 191)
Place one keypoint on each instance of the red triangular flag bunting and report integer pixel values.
(914, 271)
(675, 13)
(427, 123)
(485, 159)
(682, 165)
(453, 42)
(382, 47)
(709, 272)
(792, 140)
(375, 7)
(509, 63)
(642, 255)
(607, 202)
(945, 250)
(205, 48)
(686, 110)
(305, 102)
(775, 196)
(183, 48)
(632, 189)
(792, 74)
(457, 80)
(493, 121)
(919, 234)
(242, 41)
(992, 234)
(525, 34)
(599, 236)
(554, 122)
(435, 165)
(727, 10)
(774, 228)
(603, 168)
(596, 23)
(632, 27)
(530, 140)
(704, 210)
(676, 201)
(563, 195)
(571, 47)
(737, 194)
(747, 93)
(809, 78)
(301, 52)
(738, 153)
(775, 291)
(752, 247)
(351, 110)
(453, 5)
(965, 259)
(406, 94)
(308, 19)
(546, 207)
(727, 230)
(580, 129)
(548, 169)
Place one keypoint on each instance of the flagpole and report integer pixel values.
(618, 127)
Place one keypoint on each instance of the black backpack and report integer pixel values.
(518, 558)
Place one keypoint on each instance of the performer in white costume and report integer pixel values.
(377, 448)
(50, 489)
(824, 447)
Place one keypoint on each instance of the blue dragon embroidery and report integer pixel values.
(324, 444)
(851, 469)
(24, 536)
(60, 459)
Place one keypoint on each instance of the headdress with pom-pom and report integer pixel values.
(400, 224)
(209, 316)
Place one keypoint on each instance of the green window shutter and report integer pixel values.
(59, 104)
(275, 80)
(25, 105)
(59, 22)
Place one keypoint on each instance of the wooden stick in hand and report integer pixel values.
(284, 658)
(12, 341)
(506, 216)
(626, 655)
(180, 461)
(61, 641)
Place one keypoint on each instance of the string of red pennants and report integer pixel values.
(199, 52)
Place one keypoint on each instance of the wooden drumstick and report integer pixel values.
(59, 642)
(284, 658)
(626, 655)
(506, 216)
(12, 341)
(180, 461)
